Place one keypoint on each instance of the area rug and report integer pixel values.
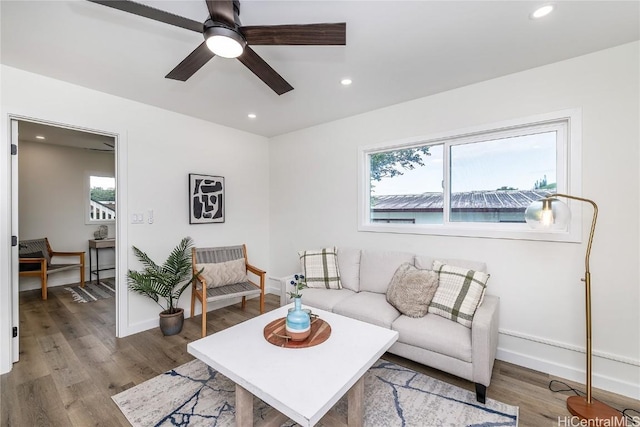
(93, 291)
(196, 395)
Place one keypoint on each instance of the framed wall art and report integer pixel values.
(206, 199)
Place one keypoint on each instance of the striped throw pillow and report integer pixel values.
(459, 293)
(320, 268)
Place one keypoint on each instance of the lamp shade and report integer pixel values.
(549, 214)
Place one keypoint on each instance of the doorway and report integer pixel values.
(52, 173)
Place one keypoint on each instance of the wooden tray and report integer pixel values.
(275, 333)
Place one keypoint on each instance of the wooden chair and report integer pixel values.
(205, 294)
(35, 261)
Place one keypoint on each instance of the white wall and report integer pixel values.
(309, 185)
(313, 203)
(160, 148)
(52, 203)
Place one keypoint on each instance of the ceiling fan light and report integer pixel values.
(224, 42)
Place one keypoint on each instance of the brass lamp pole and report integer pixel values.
(583, 407)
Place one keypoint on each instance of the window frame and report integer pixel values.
(568, 171)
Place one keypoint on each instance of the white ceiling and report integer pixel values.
(396, 51)
(30, 131)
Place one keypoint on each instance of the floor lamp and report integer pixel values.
(551, 213)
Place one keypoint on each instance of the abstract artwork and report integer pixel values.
(206, 199)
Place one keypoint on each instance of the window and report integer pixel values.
(472, 183)
(101, 199)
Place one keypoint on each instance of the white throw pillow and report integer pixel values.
(320, 268)
(459, 293)
(224, 273)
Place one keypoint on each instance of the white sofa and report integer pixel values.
(432, 340)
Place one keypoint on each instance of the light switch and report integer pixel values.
(137, 218)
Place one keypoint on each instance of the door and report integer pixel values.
(15, 314)
(67, 137)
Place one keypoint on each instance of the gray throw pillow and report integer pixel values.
(411, 290)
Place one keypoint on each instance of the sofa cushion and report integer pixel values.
(459, 293)
(320, 268)
(224, 273)
(369, 307)
(324, 299)
(435, 333)
(378, 267)
(424, 262)
(411, 290)
(349, 268)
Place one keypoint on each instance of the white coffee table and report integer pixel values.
(300, 383)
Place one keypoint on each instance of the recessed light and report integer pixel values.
(40, 137)
(542, 11)
(251, 116)
(345, 82)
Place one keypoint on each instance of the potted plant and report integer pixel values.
(165, 282)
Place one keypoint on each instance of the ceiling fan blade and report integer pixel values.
(264, 71)
(152, 13)
(192, 63)
(305, 34)
(221, 11)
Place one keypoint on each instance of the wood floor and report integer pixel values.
(71, 364)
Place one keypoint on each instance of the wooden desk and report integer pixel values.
(96, 245)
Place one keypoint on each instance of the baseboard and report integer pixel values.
(153, 323)
(140, 327)
(611, 373)
(272, 290)
(64, 278)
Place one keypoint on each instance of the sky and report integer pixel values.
(102, 181)
(516, 162)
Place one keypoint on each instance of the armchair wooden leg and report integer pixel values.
(193, 302)
(262, 303)
(82, 270)
(204, 317)
(262, 278)
(43, 283)
(244, 302)
(82, 277)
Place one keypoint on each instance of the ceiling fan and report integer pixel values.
(224, 36)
